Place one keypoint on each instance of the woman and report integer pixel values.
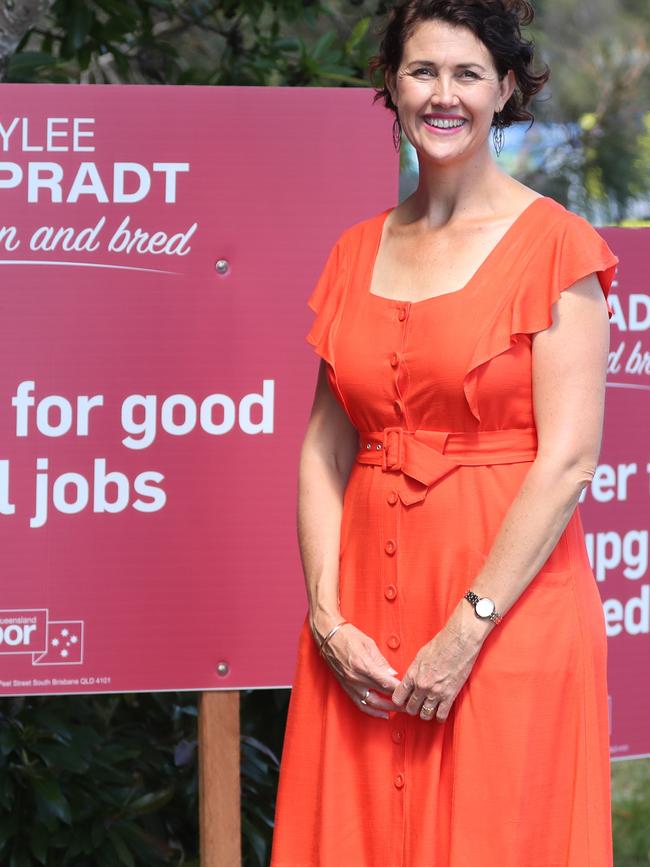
(456, 714)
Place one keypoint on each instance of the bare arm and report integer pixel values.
(326, 458)
(569, 373)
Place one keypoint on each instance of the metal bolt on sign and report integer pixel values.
(222, 266)
(223, 668)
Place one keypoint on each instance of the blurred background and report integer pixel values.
(112, 780)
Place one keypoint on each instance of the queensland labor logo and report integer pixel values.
(49, 642)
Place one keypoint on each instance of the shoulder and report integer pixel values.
(564, 219)
(361, 230)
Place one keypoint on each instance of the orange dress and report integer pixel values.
(440, 391)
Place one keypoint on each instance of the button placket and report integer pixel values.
(392, 640)
(391, 543)
(396, 361)
(390, 558)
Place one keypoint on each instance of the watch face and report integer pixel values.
(485, 607)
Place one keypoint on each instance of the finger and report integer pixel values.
(371, 706)
(379, 669)
(383, 682)
(403, 690)
(428, 709)
(442, 713)
(366, 708)
(362, 682)
(379, 683)
(416, 701)
(378, 701)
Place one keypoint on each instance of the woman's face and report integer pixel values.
(447, 72)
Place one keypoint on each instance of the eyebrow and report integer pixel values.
(458, 65)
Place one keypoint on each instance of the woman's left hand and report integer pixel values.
(440, 668)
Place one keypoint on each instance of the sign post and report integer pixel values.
(219, 783)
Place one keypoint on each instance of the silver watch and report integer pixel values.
(484, 607)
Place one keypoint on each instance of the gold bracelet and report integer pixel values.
(330, 634)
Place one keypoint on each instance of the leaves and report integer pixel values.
(94, 780)
(51, 799)
(122, 850)
(151, 801)
(259, 42)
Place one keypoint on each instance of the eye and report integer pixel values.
(469, 72)
(421, 69)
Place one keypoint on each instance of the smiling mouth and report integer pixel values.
(439, 123)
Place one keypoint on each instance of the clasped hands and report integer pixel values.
(435, 676)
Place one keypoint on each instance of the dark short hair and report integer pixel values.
(496, 23)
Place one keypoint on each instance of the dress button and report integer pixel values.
(401, 314)
(394, 359)
(397, 406)
(390, 547)
(397, 736)
(392, 498)
(390, 592)
(399, 781)
(393, 641)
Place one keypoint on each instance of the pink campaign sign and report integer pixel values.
(152, 406)
(616, 506)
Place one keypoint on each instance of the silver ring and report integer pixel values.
(365, 696)
(427, 709)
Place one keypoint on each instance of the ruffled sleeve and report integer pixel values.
(570, 250)
(326, 300)
(578, 251)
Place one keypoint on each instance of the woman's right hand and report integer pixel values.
(359, 666)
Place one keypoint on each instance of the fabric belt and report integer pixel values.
(423, 457)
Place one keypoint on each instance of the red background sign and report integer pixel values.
(152, 405)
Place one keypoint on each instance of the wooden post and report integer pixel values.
(219, 787)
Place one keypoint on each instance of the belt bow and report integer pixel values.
(424, 457)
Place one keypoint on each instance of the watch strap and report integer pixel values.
(473, 598)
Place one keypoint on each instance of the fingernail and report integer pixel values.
(392, 671)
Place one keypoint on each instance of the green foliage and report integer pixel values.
(630, 812)
(112, 780)
(263, 719)
(112, 777)
(256, 42)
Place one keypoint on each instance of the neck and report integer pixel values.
(458, 189)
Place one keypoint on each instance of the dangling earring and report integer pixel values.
(397, 134)
(498, 134)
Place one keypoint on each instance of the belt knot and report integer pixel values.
(424, 457)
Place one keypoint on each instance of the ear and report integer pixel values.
(389, 82)
(507, 86)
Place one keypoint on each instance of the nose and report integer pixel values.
(443, 90)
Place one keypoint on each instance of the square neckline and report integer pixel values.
(383, 216)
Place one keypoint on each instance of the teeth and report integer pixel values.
(443, 124)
